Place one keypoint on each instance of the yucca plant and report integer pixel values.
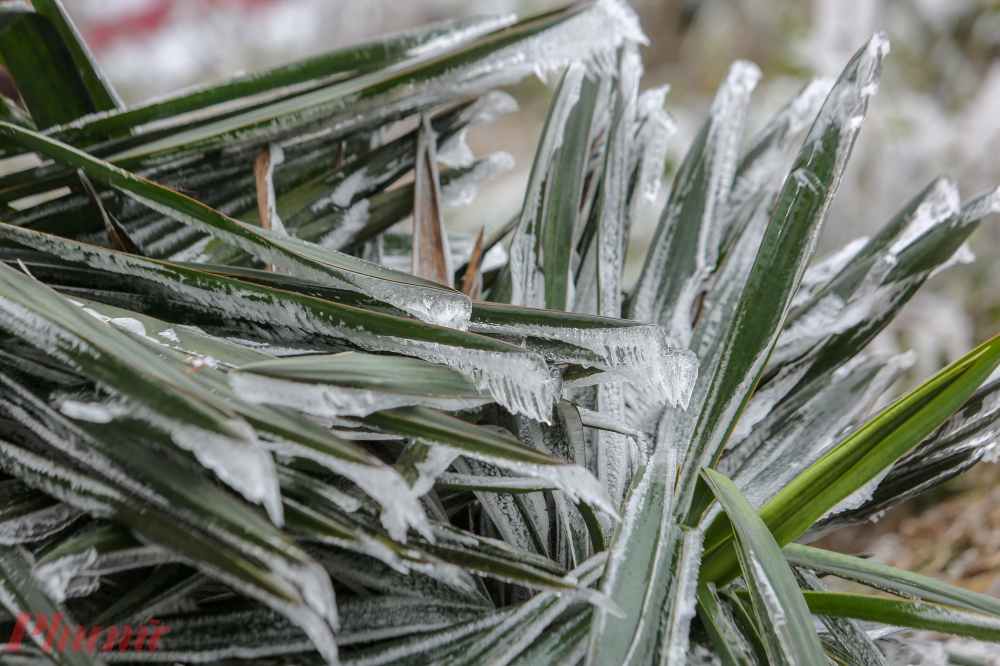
(221, 414)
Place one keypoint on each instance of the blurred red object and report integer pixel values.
(148, 19)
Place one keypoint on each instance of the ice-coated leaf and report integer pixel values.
(789, 635)
(886, 281)
(21, 593)
(516, 528)
(539, 249)
(564, 642)
(163, 503)
(680, 609)
(516, 378)
(805, 436)
(589, 32)
(733, 648)
(649, 149)
(849, 298)
(355, 384)
(684, 249)
(785, 251)
(163, 591)
(255, 633)
(503, 643)
(346, 185)
(759, 175)
(963, 440)
(493, 448)
(374, 215)
(195, 418)
(74, 567)
(286, 433)
(27, 515)
(627, 577)
(436, 645)
(290, 78)
(613, 228)
(422, 299)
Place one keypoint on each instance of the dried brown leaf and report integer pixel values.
(430, 259)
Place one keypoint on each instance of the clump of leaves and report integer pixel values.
(234, 399)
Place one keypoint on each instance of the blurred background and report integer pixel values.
(938, 110)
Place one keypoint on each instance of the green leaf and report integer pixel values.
(862, 455)
(889, 579)
(196, 419)
(790, 637)
(542, 242)
(421, 298)
(905, 613)
(859, 647)
(786, 249)
(20, 593)
(517, 378)
(42, 67)
(958, 444)
(99, 88)
(289, 79)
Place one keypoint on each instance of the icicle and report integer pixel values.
(649, 152)
(462, 190)
(637, 353)
(454, 152)
(575, 481)
(337, 401)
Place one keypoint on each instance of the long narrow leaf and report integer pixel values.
(790, 637)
